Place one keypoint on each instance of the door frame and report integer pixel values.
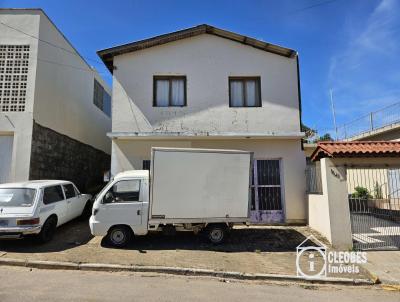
(282, 185)
(10, 136)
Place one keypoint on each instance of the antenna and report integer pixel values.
(334, 114)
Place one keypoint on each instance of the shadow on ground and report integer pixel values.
(69, 235)
(77, 233)
(239, 240)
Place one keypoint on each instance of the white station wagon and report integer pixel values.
(38, 207)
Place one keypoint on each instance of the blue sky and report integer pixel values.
(349, 46)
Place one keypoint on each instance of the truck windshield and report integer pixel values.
(17, 197)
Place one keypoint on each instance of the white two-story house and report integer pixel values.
(204, 87)
(55, 110)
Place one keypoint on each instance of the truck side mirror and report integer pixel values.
(109, 197)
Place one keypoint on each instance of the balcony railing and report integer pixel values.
(370, 122)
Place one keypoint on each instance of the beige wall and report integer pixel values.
(207, 61)
(129, 153)
(64, 94)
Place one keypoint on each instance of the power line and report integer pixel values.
(312, 6)
(51, 44)
(65, 65)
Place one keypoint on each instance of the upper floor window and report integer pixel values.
(101, 98)
(244, 92)
(169, 91)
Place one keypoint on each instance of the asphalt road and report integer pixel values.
(24, 284)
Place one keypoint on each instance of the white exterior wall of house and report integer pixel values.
(64, 94)
(57, 97)
(207, 61)
(16, 127)
(271, 131)
(129, 154)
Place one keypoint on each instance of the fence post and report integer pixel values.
(334, 184)
(371, 120)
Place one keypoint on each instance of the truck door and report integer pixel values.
(122, 203)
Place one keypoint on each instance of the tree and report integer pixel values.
(312, 135)
(308, 131)
(325, 137)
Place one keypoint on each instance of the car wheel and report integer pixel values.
(48, 230)
(119, 236)
(216, 233)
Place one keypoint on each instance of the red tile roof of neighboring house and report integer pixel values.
(356, 149)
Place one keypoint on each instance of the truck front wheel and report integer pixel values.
(119, 236)
(216, 233)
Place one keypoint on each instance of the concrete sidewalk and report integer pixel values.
(385, 265)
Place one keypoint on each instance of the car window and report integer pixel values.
(52, 194)
(69, 191)
(123, 191)
(17, 197)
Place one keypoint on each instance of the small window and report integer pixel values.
(69, 191)
(52, 194)
(244, 92)
(123, 191)
(146, 164)
(98, 95)
(101, 98)
(169, 91)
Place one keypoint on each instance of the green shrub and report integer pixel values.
(361, 192)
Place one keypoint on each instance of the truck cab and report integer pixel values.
(124, 199)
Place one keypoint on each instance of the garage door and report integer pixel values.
(6, 145)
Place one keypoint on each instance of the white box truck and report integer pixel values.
(198, 190)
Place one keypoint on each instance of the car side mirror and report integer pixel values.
(109, 197)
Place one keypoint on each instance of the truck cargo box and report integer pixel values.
(200, 185)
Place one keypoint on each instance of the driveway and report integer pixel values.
(370, 232)
(270, 250)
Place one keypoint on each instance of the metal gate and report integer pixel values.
(374, 201)
(266, 205)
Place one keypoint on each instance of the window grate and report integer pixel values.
(101, 98)
(14, 67)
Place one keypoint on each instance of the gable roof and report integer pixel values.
(107, 55)
(356, 149)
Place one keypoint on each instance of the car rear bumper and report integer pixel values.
(18, 232)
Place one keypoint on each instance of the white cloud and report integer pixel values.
(364, 75)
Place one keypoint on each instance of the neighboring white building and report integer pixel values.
(204, 87)
(49, 124)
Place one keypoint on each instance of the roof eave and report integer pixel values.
(108, 54)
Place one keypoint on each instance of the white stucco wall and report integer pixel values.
(207, 61)
(129, 154)
(329, 212)
(64, 92)
(19, 124)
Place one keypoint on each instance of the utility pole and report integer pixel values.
(334, 114)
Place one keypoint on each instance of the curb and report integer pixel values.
(176, 271)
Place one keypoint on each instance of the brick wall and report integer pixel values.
(57, 156)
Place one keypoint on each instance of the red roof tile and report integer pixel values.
(356, 149)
